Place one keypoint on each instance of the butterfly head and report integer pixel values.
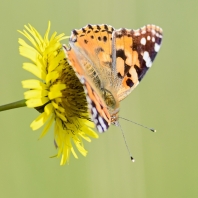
(114, 119)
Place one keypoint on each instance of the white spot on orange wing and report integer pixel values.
(95, 121)
(88, 99)
(147, 59)
(153, 39)
(99, 129)
(157, 47)
(102, 123)
(143, 41)
(153, 31)
(82, 80)
(148, 38)
(137, 33)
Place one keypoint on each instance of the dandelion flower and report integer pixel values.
(56, 93)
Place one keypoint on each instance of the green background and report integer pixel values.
(166, 162)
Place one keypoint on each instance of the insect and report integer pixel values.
(110, 63)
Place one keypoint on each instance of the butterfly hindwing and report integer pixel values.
(99, 112)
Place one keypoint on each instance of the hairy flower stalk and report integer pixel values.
(56, 92)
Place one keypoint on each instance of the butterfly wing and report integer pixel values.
(133, 54)
(94, 43)
(97, 107)
(99, 112)
(110, 64)
(90, 55)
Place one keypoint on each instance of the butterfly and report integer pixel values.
(110, 63)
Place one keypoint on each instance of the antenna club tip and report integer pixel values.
(153, 130)
(132, 159)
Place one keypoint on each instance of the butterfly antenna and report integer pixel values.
(131, 157)
(153, 130)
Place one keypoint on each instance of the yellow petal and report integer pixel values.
(84, 137)
(35, 94)
(52, 76)
(36, 102)
(33, 84)
(47, 126)
(39, 121)
(34, 70)
(48, 109)
(90, 132)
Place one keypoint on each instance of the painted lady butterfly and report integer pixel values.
(110, 63)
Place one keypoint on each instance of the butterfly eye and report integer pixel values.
(108, 97)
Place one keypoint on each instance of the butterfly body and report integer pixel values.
(110, 63)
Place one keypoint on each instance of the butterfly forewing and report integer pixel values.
(133, 54)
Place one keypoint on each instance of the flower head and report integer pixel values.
(56, 92)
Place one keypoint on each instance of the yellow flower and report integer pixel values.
(57, 93)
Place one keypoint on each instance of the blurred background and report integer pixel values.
(166, 162)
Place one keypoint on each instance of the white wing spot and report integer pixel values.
(89, 106)
(88, 99)
(95, 121)
(148, 38)
(82, 80)
(153, 39)
(94, 112)
(157, 47)
(85, 90)
(153, 31)
(137, 34)
(157, 35)
(147, 59)
(102, 123)
(99, 129)
(143, 41)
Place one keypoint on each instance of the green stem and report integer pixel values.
(20, 103)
